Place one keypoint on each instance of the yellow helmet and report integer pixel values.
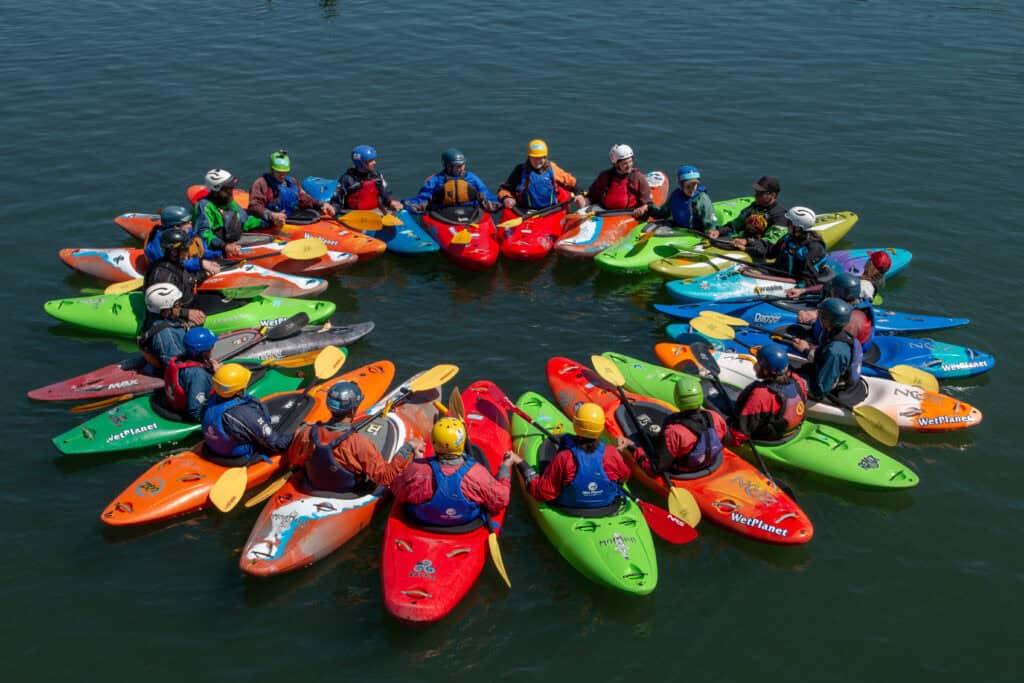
(588, 420)
(449, 436)
(230, 379)
(537, 148)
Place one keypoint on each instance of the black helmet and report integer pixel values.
(174, 216)
(344, 397)
(845, 286)
(834, 313)
(173, 238)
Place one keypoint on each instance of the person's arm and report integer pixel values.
(259, 195)
(643, 190)
(300, 449)
(487, 196)
(835, 359)
(492, 493)
(197, 384)
(421, 200)
(203, 226)
(564, 179)
(705, 208)
(614, 466)
(358, 454)
(549, 485)
(508, 188)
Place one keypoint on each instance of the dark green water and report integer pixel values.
(907, 113)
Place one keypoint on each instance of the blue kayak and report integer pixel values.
(774, 313)
(945, 361)
(407, 238)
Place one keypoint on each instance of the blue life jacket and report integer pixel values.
(286, 194)
(591, 487)
(218, 441)
(323, 471)
(682, 209)
(448, 506)
(537, 190)
(852, 374)
(796, 256)
(708, 446)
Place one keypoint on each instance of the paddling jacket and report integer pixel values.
(361, 190)
(692, 441)
(563, 473)
(533, 189)
(805, 260)
(614, 191)
(417, 484)
(187, 385)
(338, 459)
(268, 195)
(220, 226)
(696, 212)
(590, 486)
(742, 225)
(161, 339)
(193, 259)
(770, 410)
(441, 189)
(240, 427)
(449, 505)
(835, 364)
(862, 324)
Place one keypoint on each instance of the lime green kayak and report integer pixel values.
(651, 242)
(832, 227)
(122, 314)
(821, 449)
(615, 550)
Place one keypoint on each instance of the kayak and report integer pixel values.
(821, 449)
(133, 375)
(122, 314)
(300, 525)
(746, 283)
(945, 361)
(911, 407)
(831, 227)
(147, 422)
(730, 492)
(773, 313)
(407, 238)
(181, 483)
(634, 252)
(613, 549)
(534, 238)
(427, 571)
(482, 249)
(591, 230)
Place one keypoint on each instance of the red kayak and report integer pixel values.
(731, 492)
(480, 251)
(534, 238)
(426, 572)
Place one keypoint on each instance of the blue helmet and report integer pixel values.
(344, 397)
(688, 173)
(363, 155)
(199, 339)
(773, 359)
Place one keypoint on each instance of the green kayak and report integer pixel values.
(821, 449)
(122, 314)
(143, 422)
(650, 242)
(613, 550)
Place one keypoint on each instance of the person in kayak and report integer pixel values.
(362, 186)
(336, 458)
(188, 378)
(871, 280)
(450, 489)
(847, 286)
(538, 182)
(219, 220)
(453, 186)
(761, 224)
(835, 357)
(171, 270)
(689, 206)
(179, 217)
(801, 253)
(236, 426)
(772, 408)
(162, 335)
(276, 195)
(585, 472)
(623, 186)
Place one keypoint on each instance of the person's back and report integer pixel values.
(236, 425)
(691, 438)
(773, 407)
(836, 359)
(188, 378)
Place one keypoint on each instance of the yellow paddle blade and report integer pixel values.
(607, 370)
(905, 374)
(877, 424)
(682, 504)
(328, 362)
(267, 492)
(307, 249)
(499, 563)
(361, 220)
(300, 360)
(126, 286)
(390, 220)
(710, 327)
(724, 319)
(228, 489)
(455, 404)
(462, 237)
(510, 223)
(434, 377)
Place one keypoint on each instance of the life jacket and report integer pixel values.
(177, 399)
(448, 506)
(852, 374)
(367, 194)
(224, 222)
(707, 448)
(591, 487)
(790, 415)
(869, 311)
(218, 441)
(795, 256)
(145, 340)
(537, 190)
(622, 191)
(682, 209)
(455, 192)
(286, 194)
(322, 470)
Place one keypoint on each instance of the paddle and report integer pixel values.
(681, 502)
(701, 256)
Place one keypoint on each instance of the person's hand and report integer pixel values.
(580, 201)
(415, 207)
(278, 218)
(418, 447)
(232, 250)
(795, 293)
(801, 345)
(739, 243)
(640, 211)
(713, 234)
(490, 206)
(327, 209)
(509, 202)
(510, 456)
(624, 444)
(396, 205)
(806, 317)
(211, 267)
(196, 317)
(215, 365)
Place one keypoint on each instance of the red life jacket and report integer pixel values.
(177, 399)
(366, 197)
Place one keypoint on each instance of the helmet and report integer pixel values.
(449, 436)
(363, 155)
(173, 216)
(218, 178)
(881, 261)
(279, 161)
(452, 157)
(688, 393)
(161, 296)
(588, 420)
(173, 238)
(772, 358)
(230, 379)
(845, 286)
(199, 339)
(801, 217)
(344, 397)
(537, 148)
(688, 173)
(620, 152)
(834, 313)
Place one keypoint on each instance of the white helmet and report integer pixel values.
(160, 296)
(216, 178)
(801, 217)
(620, 152)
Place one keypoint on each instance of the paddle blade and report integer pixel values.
(681, 503)
(905, 374)
(510, 223)
(103, 403)
(710, 327)
(123, 287)
(249, 292)
(499, 563)
(724, 319)
(289, 327)
(665, 525)
(361, 220)
(328, 361)
(608, 371)
(455, 405)
(307, 249)
(462, 237)
(877, 424)
(390, 220)
(267, 492)
(228, 489)
(434, 377)
(300, 360)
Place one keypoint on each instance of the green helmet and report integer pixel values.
(688, 394)
(279, 161)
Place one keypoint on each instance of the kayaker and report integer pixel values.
(772, 408)
(847, 286)
(171, 270)
(276, 195)
(162, 336)
(761, 224)
(179, 217)
(538, 183)
(801, 253)
(219, 220)
(338, 459)
(689, 205)
(453, 186)
(585, 472)
(450, 489)
(188, 378)
(362, 186)
(835, 355)
(871, 280)
(623, 186)
(236, 426)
